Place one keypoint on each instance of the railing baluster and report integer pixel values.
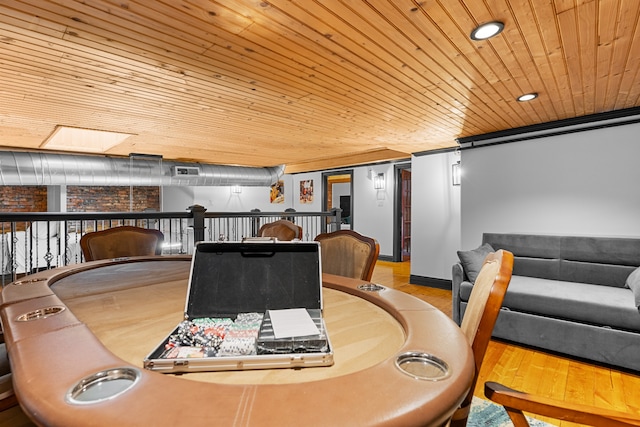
(27, 246)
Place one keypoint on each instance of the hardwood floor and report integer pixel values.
(528, 369)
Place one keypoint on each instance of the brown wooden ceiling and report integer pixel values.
(313, 84)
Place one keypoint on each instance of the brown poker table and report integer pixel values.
(397, 360)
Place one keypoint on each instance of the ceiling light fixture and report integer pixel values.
(487, 30)
(66, 138)
(527, 97)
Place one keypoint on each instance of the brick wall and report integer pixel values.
(111, 199)
(16, 198)
(25, 198)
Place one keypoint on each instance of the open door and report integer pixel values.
(402, 214)
(405, 208)
(338, 193)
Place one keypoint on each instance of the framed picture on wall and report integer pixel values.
(277, 192)
(306, 191)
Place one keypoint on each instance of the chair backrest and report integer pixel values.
(122, 241)
(481, 314)
(281, 229)
(348, 253)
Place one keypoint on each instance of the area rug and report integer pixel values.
(487, 414)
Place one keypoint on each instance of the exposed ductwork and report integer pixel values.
(37, 168)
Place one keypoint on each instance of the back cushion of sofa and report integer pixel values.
(526, 245)
(603, 250)
(599, 260)
(537, 267)
(594, 273)
(534, 255)
(595, 260)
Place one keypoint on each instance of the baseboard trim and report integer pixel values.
(385, 258)
(431, 282)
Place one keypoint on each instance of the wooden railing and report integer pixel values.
(33, 241)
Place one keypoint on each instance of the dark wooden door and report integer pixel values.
(406, 214)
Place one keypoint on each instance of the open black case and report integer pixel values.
(235, 289)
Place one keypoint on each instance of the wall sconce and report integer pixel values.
(456, 173)
(236, 189)
(378, 181)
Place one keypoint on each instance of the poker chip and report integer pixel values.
(210, 337)
(237, 346)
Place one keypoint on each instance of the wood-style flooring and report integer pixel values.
(527, 369)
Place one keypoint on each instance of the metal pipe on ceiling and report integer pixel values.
(38, 168)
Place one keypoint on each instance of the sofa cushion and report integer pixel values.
(606, 250)
(593, 304)
(526, 245)
(582, 259)
(472, 260)
(633, 283)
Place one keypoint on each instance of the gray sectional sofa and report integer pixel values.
(569, 294)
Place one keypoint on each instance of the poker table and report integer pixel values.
(77, 335)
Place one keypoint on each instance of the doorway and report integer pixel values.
(402, 214)
(338, 193)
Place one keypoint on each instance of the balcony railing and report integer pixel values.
(32, 242)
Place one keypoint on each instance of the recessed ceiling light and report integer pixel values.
(527, 97)
(487, 30)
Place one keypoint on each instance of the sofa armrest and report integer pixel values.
(457, 277)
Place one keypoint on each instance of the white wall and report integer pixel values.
(222, 199)
(435, 216)
(584, 183)
(373, 209)
(57, 198)
(177, 199)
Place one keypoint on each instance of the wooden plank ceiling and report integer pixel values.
(313, 84)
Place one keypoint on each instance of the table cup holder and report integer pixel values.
(423, 366)
(27, 281)
(370, 287)
(103, 385)
(41, 313)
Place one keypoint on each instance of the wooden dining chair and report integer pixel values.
(124, 241)
(480, 317)
(348, 253)
(281, 229)
(516, 402)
